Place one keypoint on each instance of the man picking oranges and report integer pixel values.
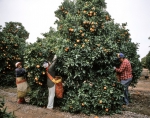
(124, 73)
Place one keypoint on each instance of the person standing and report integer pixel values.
(50, 68)
(21, 82)
(124, 73)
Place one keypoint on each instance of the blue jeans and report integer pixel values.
(126, 84)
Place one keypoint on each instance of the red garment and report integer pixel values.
(21, 101)
(125, 70)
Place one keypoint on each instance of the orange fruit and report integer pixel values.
(105, 87)
(91, 12)
(100, 101)
(84, 22)
(38, 66)
(85, 40)
(78, 40)
(40, 83)
(71, 30)
(75, 45)
(82, 34)
(84, 11)
(36, 78)
(80, 31)
(94, 13)
(91, 29)
(92, 23)
(93, 26)
(106, 109)
(66, 49)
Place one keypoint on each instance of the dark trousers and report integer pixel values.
(126, 84)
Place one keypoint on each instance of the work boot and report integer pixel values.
(19, 101)
(23, 100)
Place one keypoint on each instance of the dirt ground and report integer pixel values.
(138, 108)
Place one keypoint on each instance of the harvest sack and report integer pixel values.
(59, 90)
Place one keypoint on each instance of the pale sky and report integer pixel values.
(37, 16)
(137, 15)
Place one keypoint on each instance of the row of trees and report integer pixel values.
(148, 60)
(86, 42)
(145, 61)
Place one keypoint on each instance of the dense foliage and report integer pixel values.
(12, 46)
(90, 42)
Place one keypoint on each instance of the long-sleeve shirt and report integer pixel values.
(125, 70)
(20, 72)
(51, 71)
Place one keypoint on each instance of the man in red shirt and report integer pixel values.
(125, 75)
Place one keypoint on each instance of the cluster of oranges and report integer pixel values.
(36, 79)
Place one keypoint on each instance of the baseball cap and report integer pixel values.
(120, 55)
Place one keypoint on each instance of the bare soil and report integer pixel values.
(138, 108)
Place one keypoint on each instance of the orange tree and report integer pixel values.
(86, 44)
(12, 46)
(87, 55)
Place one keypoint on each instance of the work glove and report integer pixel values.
(45, 65)
(114, 68)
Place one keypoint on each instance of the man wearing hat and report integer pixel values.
(125, 75)
(50, 67)
(22, 85)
